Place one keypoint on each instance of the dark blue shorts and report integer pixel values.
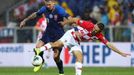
(48, 37)
(51, 38)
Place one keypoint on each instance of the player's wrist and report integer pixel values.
(77, 21)
(25, 20)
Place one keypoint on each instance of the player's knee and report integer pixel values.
(39, 44)
(56, 55)
(79, 59)
(57, 44)
(56, 59)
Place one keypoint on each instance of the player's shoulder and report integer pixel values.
(58, 7)
(43, 8)
(100, 35)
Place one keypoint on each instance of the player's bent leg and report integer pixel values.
(58, 44)
(38, 45)
(38, 52)
(58, 61)
(78, 64)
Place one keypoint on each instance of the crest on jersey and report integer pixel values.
(50, 16)
(81, 21)
(55, 17)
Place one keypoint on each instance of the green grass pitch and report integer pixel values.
(68, 71)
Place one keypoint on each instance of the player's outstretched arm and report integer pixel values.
(69, 21)
(111, 46)
(32, 16)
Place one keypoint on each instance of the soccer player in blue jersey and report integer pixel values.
(54, 31)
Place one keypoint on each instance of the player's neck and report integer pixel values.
(53, 9)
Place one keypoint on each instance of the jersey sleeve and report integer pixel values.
(85, 24)
(102, 38)
(62, 11)
(41, 11)
(38, 23)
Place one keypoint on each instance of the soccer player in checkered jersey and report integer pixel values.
(86, 30)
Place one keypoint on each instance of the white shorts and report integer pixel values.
(69, 41)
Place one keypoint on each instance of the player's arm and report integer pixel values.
(111, 46)
(84, 24)
(69, 21)
(32, 16)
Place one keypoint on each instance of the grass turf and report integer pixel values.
(68, 71)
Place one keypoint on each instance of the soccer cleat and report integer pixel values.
(40, 53)
(37, 51)
(37, 68)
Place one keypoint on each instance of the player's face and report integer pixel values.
(96, 30)
(50, 5)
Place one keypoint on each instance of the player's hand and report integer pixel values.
(125, 54)
(64, 22)
(22, 23)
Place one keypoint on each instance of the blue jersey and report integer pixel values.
(54, 29)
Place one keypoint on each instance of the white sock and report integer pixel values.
(78, 68)
(46, 47)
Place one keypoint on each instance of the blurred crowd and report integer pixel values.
(109, 12)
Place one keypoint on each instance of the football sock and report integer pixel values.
(60, 67)
(78, 68)
(46, 47)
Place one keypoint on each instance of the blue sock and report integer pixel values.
(60, 67)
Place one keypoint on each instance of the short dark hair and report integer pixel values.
(101, 26)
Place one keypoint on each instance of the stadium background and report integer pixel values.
(16, 44)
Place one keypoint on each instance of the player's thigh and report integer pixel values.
(57, 44)
(39, 44)
(78, 55)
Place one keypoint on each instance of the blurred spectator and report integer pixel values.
(1, 24)
(114, 15)
(96, 13)
(104, 15)
(86, 14)
(68, 10)
(111, 3)
(131, 19)
(20, 12)
(74, 5)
